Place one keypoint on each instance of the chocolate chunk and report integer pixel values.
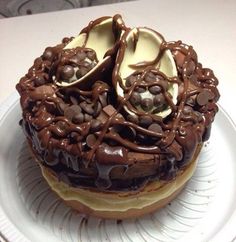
(91, 140)
(39, 80)
(87, 117)
(155, 90)
(78, 118)
(135, 99)
(97, 109)
(203, 97)
(67, 72)
(95, 125)
(130, 80)
(190, 67)
(74, 60)
(61, 107)
(72, 111)
(140, 89)
(147, 104)
(133, 118)
(109, 110)
(48, 54)
(150, 77)
(42, 92)
(91, 55)
(81, 55)
(82, 71)
(74, 100)
(88, 108)
(145, 120)
(155, 128)
(159, 100)
(128, 133)
(103, 99)
(73, 136)
(187, 110)
(86, 64)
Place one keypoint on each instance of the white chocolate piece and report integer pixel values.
(100, 39)
(147, 49)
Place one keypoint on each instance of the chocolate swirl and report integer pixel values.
(88, 139)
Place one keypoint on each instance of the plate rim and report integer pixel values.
(9, 231)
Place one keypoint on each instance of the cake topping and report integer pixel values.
(141, 75)
(139, 117)
(84, 57)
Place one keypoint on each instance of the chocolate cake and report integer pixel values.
(114, 111)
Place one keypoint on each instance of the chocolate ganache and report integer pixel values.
(92, 135)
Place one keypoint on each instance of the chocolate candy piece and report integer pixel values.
(103, 99)
(78, 118)
(81, 72)
(159, 100)
(128, 133)
(147, 104)
(145, 120)
(95, 125)
(155, 128)
(61, 107)
(135, 99)
(97, 109)
(91, 55)
(130, 80)
(72, 111)
(203, 97)
(67, 72)
(150, 77)
(91, 140)
(74, 100)
(81, 55)
(140, 89)
(155, 90)
(190, 67)
(88, 108)
(87, 117)
(75, 60)
(42, 92)
(47, 54)
(73, 136)
(187, 110)
(39, 80)
(133, 118)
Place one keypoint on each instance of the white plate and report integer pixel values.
(204, 211)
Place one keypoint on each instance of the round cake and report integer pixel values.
(116, 117)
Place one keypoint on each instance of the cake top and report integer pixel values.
(113, 97)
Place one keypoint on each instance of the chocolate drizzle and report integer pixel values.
(86, 134)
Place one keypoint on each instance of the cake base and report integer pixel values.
(121, 205)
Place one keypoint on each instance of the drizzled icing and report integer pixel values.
(115, 162)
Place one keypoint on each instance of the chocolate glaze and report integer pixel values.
(112, 160)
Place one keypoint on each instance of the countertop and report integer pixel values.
(209, 26)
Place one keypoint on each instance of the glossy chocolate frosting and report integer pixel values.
(84, 134)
